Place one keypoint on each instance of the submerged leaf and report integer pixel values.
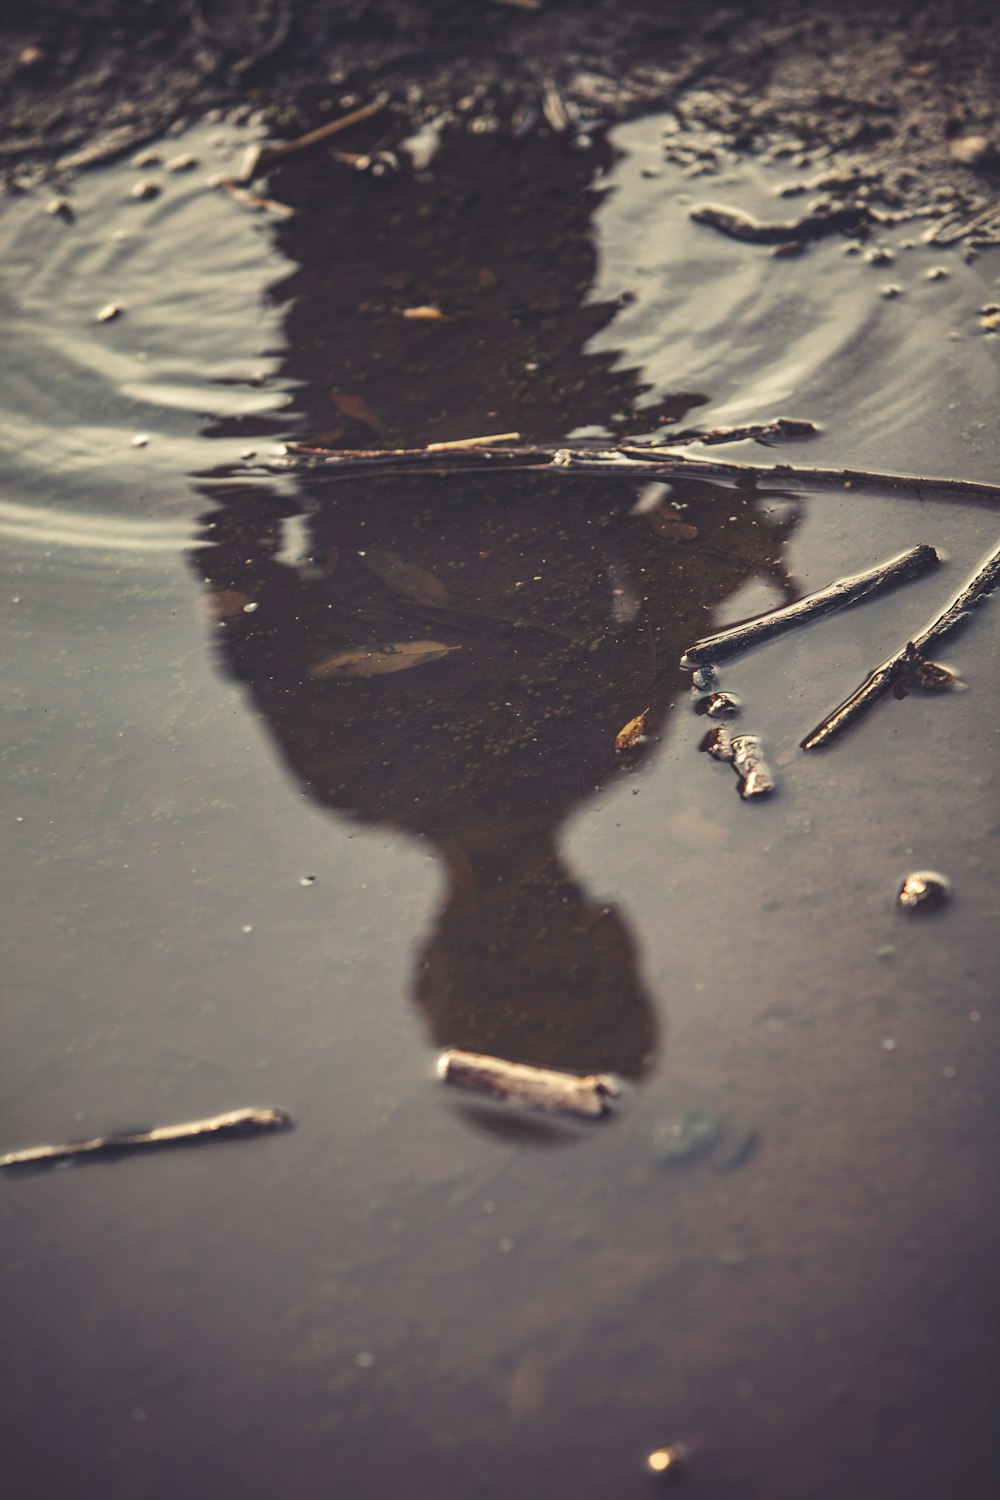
(407, 578)
(632, 732)
(373, 661)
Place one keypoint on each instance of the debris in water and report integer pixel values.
(426, 313)
(406, 578)
(688, 1138)
(665, 1460)
(705, 678)
(109, 312)
(718, 744)
(739, 1151)
(584, 1094)
(750, 766)
(626, 461)
(253, 200)
(973, 150)
(722, 706)
(236, 1122)
(931, 676)
(632, 732)
(372, 661)
(475, 442)
(837, 595)
(740, 226)
(922, 891)
(900, 664)
(258, 154)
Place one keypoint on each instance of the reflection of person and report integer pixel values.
(568, 612)
(566, 617)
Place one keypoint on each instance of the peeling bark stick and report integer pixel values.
(740, 226)
(621, 462)
(845, 591)
(884, 677)
(236, 1122)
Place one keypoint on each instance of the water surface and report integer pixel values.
(231, 881)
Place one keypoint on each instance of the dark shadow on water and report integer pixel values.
(565, 610)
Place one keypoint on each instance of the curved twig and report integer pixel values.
(619, 462)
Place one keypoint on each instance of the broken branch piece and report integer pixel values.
(750, 766)
(837, 595)
(236, 1122)
(901, 663)
(740, 226)
(624, 462)
(583, 1094)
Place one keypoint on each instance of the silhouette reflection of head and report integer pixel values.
(563, 610)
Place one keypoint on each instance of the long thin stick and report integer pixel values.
(884, 677)
(620, 462)
(845, 591)
(235, 1122)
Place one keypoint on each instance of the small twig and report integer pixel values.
(895, 667)
(475, 442)
(845, 591)
(740, 226)
(622, 462)
(235, 1122)
(285, 148)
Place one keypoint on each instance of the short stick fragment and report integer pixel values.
(844, 591)
(550, 1089)
(884, 677)
(750, 766)
(235, 1122)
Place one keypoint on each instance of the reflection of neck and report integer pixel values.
(522, 965)
(503, 863)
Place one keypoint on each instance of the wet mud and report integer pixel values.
(308, 782)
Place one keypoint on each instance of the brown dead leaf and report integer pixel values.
(669, 524)
(358, 409)
(375, 661)
(407, 578)
(632, 732)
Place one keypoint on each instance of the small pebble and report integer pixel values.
(879, 255)
(937, 273)
(890, 290)
(143, 159)
(973, 150)
(664, 1460)
(109, 312)
(182, 163)
(722, 706)
(922, 891)
(140, 440)
(147, 188)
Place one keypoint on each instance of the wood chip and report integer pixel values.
(376, 661)
(584, 1094)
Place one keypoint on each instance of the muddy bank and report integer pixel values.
(902, 96)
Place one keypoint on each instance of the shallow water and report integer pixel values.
(232, 882)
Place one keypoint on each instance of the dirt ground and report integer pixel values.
(902, 94)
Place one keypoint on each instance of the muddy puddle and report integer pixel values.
(237, 877)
